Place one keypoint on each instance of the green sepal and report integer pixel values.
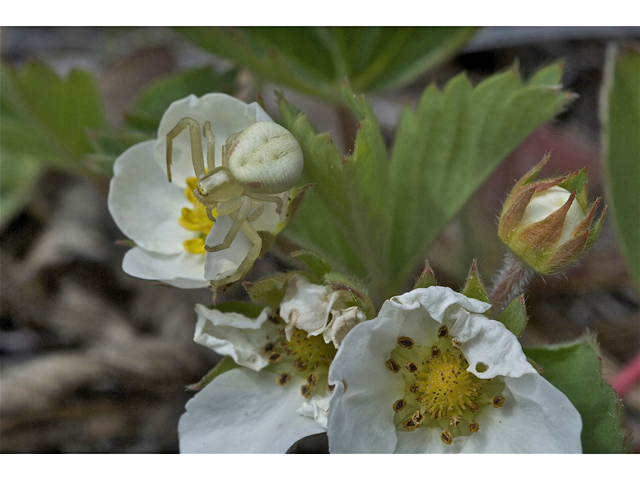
(474, 287)
(338, 281)
(427, 278)
(270, 291)
(318, 265)
(577, 182)
(224, 365)
(575, 369)
(514, 317)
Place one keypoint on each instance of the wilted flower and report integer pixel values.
(164, 219)
(282, 393)
(549, 223)
(431, 374)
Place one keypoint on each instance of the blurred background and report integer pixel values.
(92, 360)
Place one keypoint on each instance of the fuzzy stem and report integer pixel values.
(510, 281)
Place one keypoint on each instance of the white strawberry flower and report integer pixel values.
(165, 221)
(431, 374)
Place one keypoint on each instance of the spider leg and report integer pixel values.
(251, 257)
(243, 205)
(211, 146)
(258, 211)
(267, 198)
(196, 145)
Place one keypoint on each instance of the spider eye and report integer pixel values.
(201, 190)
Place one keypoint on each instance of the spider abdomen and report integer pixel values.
(265, 158)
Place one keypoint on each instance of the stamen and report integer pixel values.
(331, 387)
(412, 367)
(443, 331)
(399, 405)
(409, 424)
(455, 343)
(446, 437)
(269, 347)
(497, 401)
(312, 380)
(283, 379)
(406, 342)
(435, 351)
(392, 365)
(274, 357)
(306, 391)
(455, 420)
(474, 427)
(417, 418)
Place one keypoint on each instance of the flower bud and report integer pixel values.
(549, 223)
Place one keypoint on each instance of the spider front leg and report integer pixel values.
(243, 205)
(196, 145)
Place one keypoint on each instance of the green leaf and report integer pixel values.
(375, 218)
(315, 61)
(269, 291)
(60, 109)
(361, 298)
(150, 105)
(18, 176)
(224, 365)
(244, 308)
(620, 120)
(474, 286)
(514, 317)
(574, 369)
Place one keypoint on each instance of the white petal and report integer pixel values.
(233, 334)
(544, 203)
(489, 342)
(342, 322)
(440, 302)
(360, 410)
(144, 205)
(244, 412)
(227, 115)
(535, 418)
(316, 408)
(306, 306)
(182, 270)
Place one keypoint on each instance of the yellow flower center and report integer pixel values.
(195, 219)
(304, 355)
(439, 391)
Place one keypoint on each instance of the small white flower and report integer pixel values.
(282, 393)
(168, 225)
(432, 375)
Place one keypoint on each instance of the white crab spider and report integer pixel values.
(257, 164)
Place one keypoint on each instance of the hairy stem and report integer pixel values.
(510, 281)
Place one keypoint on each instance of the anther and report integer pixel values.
(443, 331)
(312, 380)
(274, 357)
(412, 367)
(299, 365)
(446, 437)
(331, 387)
(474, 427)
(435, 351)
(409, 424)
(474, 407)
(283, 379)
(399, 405)
(392, 365)
(455, 420)
(274, 317)
(414, 387)
(269, 347)
(455, 343)
(497, 401)
(306, 391)
(406, 342)
(417, 417)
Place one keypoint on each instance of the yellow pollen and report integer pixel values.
(447, 388)
(310, 351)
(195, 219)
